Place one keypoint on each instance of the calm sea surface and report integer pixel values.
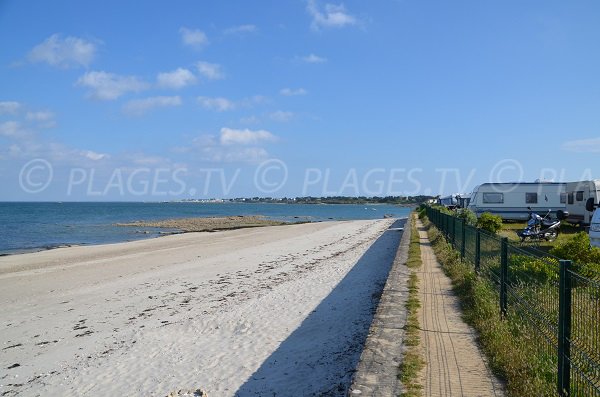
(28, 227)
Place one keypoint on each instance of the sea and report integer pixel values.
(29, 226)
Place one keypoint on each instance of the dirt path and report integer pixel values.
(455, 365)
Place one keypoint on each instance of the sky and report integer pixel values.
(157, 101)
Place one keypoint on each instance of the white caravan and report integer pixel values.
(460, 200)
(578, 193)
(463, 200)
(595, 230)
(511, 200)
(449, 201)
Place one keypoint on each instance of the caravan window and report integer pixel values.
(493, 198)
(563, 198)
(570, 197)
(579, 196)
(530, 198)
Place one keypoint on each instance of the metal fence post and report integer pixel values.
(503, 276)
(445, 225)
(453, 234)
(462, 240)
(564, 330)
(444, 219)
(477, 250)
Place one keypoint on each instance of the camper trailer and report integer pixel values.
(512, 200)
(449, 202)
(463, 200)
(578, 194)
(455, 201)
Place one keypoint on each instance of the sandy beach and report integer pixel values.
(277, 310)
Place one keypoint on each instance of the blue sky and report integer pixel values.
(116, 100)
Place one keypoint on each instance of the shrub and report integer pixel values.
(468, 216)
(442, 209)
(577, 249)
(489, 222)
(527, 269)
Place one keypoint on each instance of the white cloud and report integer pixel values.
(9, 107)
(138, 107)
(334, 16)
(231, 136)
(176, 79)
(291, 92)
(281, 116)
(241, 29)
(64, 53)
(193, 37)
(211, 71)
(591, 145)
(232, 154)
(218, 104)
(247, 154)
(93, 155)
(12, 129)
(44, 119)
(148, 160)
(40, 116)
(211, 148)
(109, 86)
(205, 140)
(312, 58)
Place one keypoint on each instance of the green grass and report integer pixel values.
(412, 362)
(509, 347)
(509, 230)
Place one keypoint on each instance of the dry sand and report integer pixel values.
(280, 310)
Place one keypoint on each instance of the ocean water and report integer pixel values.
(26, 227)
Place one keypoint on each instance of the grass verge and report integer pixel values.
(412, 362)
(509, 348)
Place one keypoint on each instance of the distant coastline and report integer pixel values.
(39, 226)
(405, 201)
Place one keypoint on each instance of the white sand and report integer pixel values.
(278, 310)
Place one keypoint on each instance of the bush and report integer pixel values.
(489, 222)
(577, 249)
(468, 216)
(527, 269)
